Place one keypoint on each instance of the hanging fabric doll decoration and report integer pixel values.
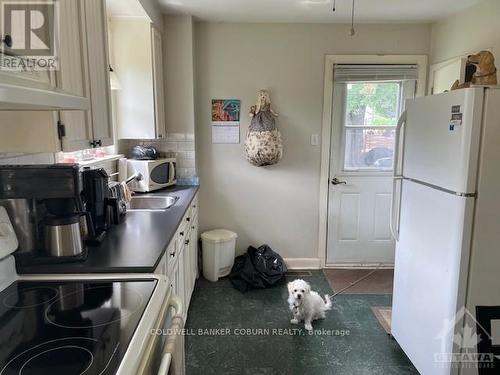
(263, 145)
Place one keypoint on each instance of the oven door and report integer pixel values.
(166, 346)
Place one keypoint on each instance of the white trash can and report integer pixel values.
(218, 248)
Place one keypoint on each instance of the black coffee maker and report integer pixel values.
(96, 201)
(56, 221)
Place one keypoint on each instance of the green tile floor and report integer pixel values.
(255, 335)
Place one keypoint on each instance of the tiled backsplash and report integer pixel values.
(180, 146)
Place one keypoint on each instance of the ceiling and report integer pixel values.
(125, 8)
(316, 11)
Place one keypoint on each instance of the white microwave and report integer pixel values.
(153, 174)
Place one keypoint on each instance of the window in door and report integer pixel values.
(371, 112)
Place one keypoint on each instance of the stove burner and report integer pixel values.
(30, 297)
(33, 365)
(95, 320)
(41, 356)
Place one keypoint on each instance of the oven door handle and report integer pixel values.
(165, 364)
(166, 359)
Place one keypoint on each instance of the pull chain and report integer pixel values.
(353, 32)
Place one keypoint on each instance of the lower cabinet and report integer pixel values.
(180, 261)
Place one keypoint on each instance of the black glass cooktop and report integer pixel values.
(68, 328)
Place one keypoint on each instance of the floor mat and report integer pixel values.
(378, 283)
(384, 316)
(228, 332)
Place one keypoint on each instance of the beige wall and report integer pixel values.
(471, 30)
(277, 205)
(179, 74)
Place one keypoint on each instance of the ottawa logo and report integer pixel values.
(472, 345)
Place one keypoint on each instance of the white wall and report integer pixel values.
(277, 205)
(471, 30)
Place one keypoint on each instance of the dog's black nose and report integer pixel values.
(469, 56)
(299, 296)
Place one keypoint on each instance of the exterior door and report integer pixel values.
(361, 164)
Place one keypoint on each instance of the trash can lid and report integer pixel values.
(219, 235)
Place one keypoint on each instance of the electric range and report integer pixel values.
(70, 326)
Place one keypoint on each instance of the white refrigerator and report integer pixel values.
(446, 221)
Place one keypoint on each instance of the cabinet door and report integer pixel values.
(158, 88)
(100, 92)
(188, 281)
(73, 74)
(174, 281)
(181, 281)
(132, 53)
(40, 79)
(194, 248)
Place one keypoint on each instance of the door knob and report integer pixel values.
(336, 181)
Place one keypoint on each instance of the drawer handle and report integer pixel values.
(7, 40)
(193, 227)
(187, 242)
(172, 254)
(188, 219)
(181, 233)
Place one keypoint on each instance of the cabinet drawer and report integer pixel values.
(182, 234)
(171, 257)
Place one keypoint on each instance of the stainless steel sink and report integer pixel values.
(151, 203)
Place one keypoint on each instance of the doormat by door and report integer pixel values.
(380, 282)
(384, 316)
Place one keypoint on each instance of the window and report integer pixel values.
(371, 114)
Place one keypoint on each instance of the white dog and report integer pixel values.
(306, 305)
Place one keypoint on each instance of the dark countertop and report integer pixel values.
(134, 246)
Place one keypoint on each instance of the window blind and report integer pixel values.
(362, 72)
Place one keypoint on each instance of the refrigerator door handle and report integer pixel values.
(396, 176)
(397, 144)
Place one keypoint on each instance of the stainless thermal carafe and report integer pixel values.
(63, 237)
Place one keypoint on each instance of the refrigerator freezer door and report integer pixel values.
(431, 257)
(441, 139)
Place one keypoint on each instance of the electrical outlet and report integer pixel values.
(314, 139)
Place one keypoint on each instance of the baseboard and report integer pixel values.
(303, 263)
(382, 266)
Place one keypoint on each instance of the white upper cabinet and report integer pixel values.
(83, 72)
(138, 62)
(11, 56)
